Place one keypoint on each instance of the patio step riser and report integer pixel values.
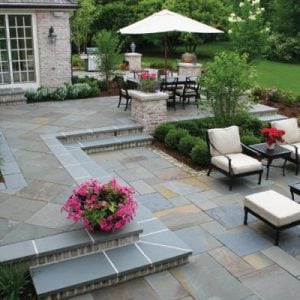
(7, 102)
(101, 134)
(87, 288)
(117, 146)
(80, 251)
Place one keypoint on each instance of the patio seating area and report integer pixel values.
(229, 261)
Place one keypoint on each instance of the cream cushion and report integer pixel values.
(290, 126)
(273, 207)
(226, 140)
(292, 148)
(240, 163)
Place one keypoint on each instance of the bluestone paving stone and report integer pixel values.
(183, 216)
(50, 216)
(153, 164)
(64, 240)
(142, 187)
(94, 170)
(166, 286)
(133, 160)
(213, 227)
(229, 216)
(158, 254)
(181, 188)
(154, 201)
(14, 181)
(10, 168)
(111, 165)
(178, 201)
(78, 172)
(127, 257)
(170, 173)
(142, 214)
(197, 239)
(16, 251)
(19, 209)
(283, 259)
(134, 174)
(273, 283)
(151, 226)
(258, 260)
(85, 269)
(165, 238)
(201, 202)
(204, 278)
(233, 263)
(243, 241)
(134, 289)
(4, 227)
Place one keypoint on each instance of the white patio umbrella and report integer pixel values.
(167, 21)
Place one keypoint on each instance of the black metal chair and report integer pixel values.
(170, 87)
(123, 91)
(190, 90)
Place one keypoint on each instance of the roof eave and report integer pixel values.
(37, 5)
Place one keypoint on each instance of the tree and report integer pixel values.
(109, 48)
(247, 30)
(286, 16)
(81, 23)
(226, 80)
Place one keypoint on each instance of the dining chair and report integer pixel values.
(123, 91)
(170, 87)
(190, 90)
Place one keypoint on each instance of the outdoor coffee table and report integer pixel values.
(294, 189)
(271, 154)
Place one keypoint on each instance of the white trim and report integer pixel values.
(23, 85)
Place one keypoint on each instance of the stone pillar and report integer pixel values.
(54, 58)
(135, 61)
(189, 69)
(148, 109)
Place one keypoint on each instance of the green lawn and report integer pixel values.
(270, 74)
(283, 76)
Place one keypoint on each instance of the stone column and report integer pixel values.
(148, 109)
(189, 69)
(135, 61)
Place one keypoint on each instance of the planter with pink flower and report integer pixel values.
(148, 82)
(101, 206)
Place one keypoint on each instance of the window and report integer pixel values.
(16, 49)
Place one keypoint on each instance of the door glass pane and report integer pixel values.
(4, 63)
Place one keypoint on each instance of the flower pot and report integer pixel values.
(271, 146)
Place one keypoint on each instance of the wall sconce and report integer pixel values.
(52, 35)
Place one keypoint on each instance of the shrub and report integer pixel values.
(248, 123)
(59, 93)
(189, 125)
(186, 144)
(203, 124)
(162, 130)
(250, 139)
(77, 61)
(13, 279)
(200, 154)
(283, 48)
(173, 137)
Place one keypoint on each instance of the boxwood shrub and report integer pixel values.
(173, 137)
(250, 139)
(162, 130)
(190, 125)
(200, 154)
(186, 144)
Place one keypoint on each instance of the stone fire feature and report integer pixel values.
(148, 109)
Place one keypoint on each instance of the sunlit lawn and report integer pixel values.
(270, 74)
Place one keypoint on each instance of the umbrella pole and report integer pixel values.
(166, 52)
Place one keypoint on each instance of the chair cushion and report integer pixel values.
(291, 148)
(274, 207)
(226, 140)
(290, 126)
(240, 163)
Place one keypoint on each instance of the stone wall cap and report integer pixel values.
(156, 96)
(133, 54)
(190, 65)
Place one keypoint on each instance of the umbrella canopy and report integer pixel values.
(167, 21)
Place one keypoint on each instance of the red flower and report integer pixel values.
(272, 135)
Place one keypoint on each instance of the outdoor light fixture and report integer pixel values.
(132, 46)
(52, 35)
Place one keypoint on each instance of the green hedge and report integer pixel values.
(173, 137)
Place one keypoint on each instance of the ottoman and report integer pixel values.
(274, 209)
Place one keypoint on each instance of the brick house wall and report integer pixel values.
(54, 58)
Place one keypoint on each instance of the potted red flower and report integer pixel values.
(272, 135)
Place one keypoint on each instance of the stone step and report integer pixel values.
(67, 245)
(99, 133)
(260, 110)
(117, 143)
(270, 118)
(12, 96)
(156, 252)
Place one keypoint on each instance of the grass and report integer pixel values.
(270, 74)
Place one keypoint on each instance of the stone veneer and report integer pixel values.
(149, 109)
(189, 69)
(54, 58)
